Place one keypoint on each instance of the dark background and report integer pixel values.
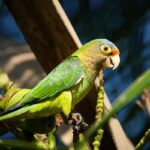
(127, 24)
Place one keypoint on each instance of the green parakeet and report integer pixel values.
(66, 84)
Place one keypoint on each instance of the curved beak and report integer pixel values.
(112, 61)
(115, 61)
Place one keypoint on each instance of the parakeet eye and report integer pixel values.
(105, 49)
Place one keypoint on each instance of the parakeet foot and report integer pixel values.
(76, 120)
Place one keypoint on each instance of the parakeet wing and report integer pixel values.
(64, 76)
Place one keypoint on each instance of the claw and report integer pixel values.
(76, 120)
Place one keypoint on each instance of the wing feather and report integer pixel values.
(64, 76)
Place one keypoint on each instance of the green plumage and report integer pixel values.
(65, 85)
(61, 78)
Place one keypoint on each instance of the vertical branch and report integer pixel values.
(99, 110)
(46, 28)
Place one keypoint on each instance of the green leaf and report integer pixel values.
(83, 144)
(22, 145)
(3, 79)
(134, 90)
(52, 139)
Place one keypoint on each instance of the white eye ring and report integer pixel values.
(106, 49)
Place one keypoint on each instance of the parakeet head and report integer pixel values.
(110, 54)
(99, 53)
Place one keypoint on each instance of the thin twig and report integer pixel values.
(99, 110)
(143, 140)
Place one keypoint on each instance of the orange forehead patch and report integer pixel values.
(115, 52)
